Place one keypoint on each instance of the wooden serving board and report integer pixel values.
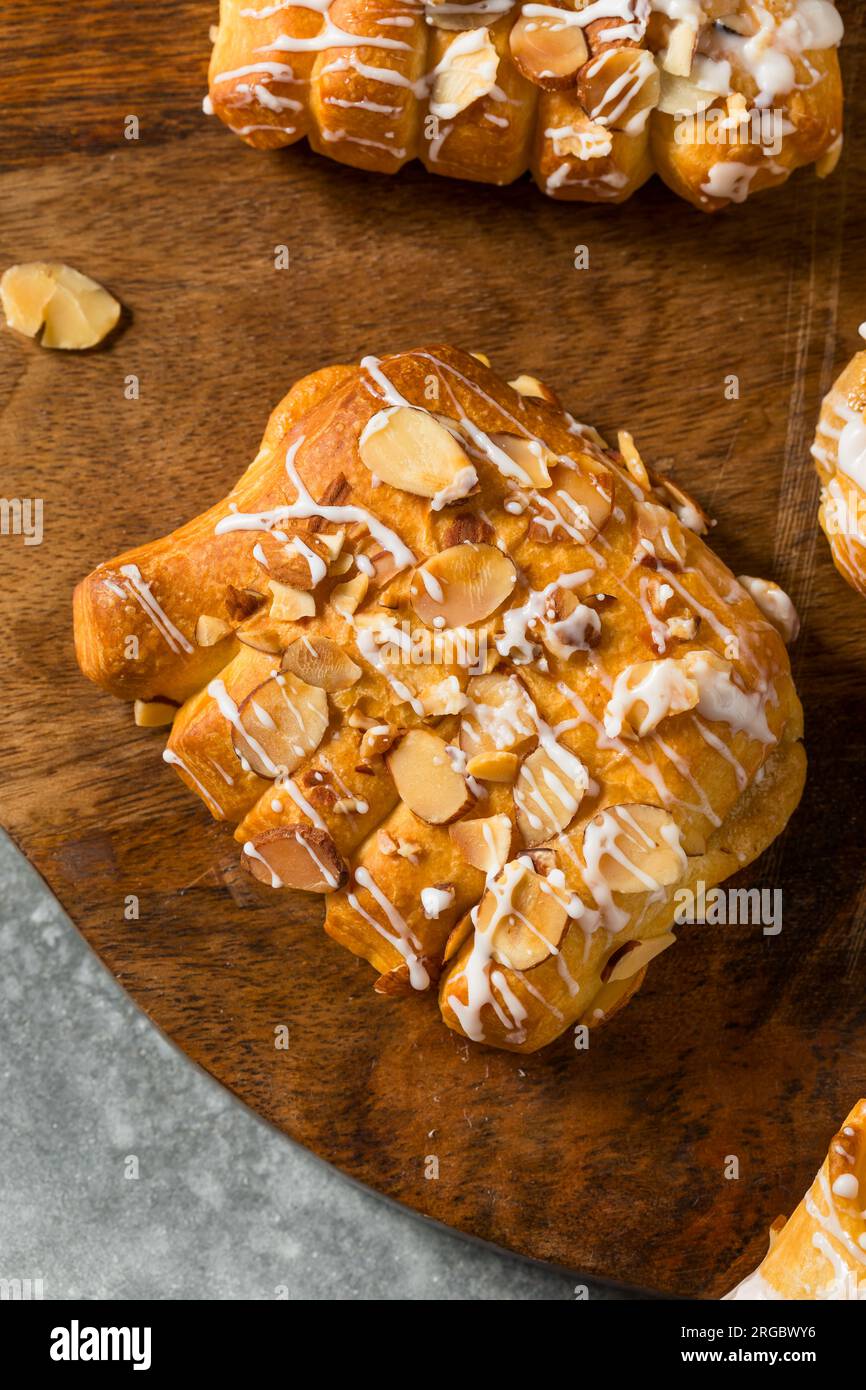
(608, 1162)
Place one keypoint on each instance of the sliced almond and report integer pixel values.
(210, 630)
(682, 42)
(466, 74)
(454, 17)
(482, 358)
(633, 848)
(618, 87)
(525, 919)
(296, 856)
(550, 787)
(493, 766)
(575, 507)
(549, 50)
(499, 717)
(466, 526)
(76, 311)
(634, 463)
(646, 693)
(279, 724)
(688, 512)
(679, 96)
(775, 605)
(634, 956)
(332, 542)
(408, 449)
(243, 603)
(530, 455)
(300, 562)
(425, 779)
(376, 741)
(526, 385)
(264, 636)
(462, 585)
(346, 597)
(321, 662)
(153, 714)
(461, 933)
(484, 843)
(395, 984)
(289, 604)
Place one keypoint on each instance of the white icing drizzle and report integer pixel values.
(400, 935)
(141, 591)
(174, 760)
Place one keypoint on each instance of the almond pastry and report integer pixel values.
(839, 452)
(591, 96)
(499, 780)
(820, 1251)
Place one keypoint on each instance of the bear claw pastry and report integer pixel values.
(820, 1252)
(839, 452)
(722, 98)
(447, 659)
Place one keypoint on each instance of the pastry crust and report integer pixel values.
(839, 452)
(820, 1252)
(722, 98)
(499, 623)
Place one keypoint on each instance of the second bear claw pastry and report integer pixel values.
(722, 98)
(446, 658)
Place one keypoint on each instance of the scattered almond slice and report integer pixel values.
(548, 792)
(646, 693)
(331, 542)
(346, 597)
(619, 87)
(153, 714)
(493, 766)
(425, 779)
(482, 358)
(408, 449)
(530, 455)
(76, 311)
(633, 848)
(547, 49)
(466, 74)
(466, 526)
(775, 605)
(682, 42)
(634, 956)
(576, 507)
(296, 856)
(679, 96)
(289, 604)
(210, 630)
(484, 843)
(525, 919)
(462, 585)
(279, 724)
(321, 662)
(499, 717)
(526, 385)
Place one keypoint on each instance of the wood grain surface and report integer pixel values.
(608, 1162)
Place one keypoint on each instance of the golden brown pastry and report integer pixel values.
(820, 1252)
(722, 98)
(839, 452)
(449, 660)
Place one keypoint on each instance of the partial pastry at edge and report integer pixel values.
(820, 1252)
(722, 98)
(839, 452)
(445, 657)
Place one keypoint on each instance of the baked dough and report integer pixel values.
(820, 1253)
(722, 98)
(839, 452)
(445, 657)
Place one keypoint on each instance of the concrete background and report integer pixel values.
(223, 1207)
